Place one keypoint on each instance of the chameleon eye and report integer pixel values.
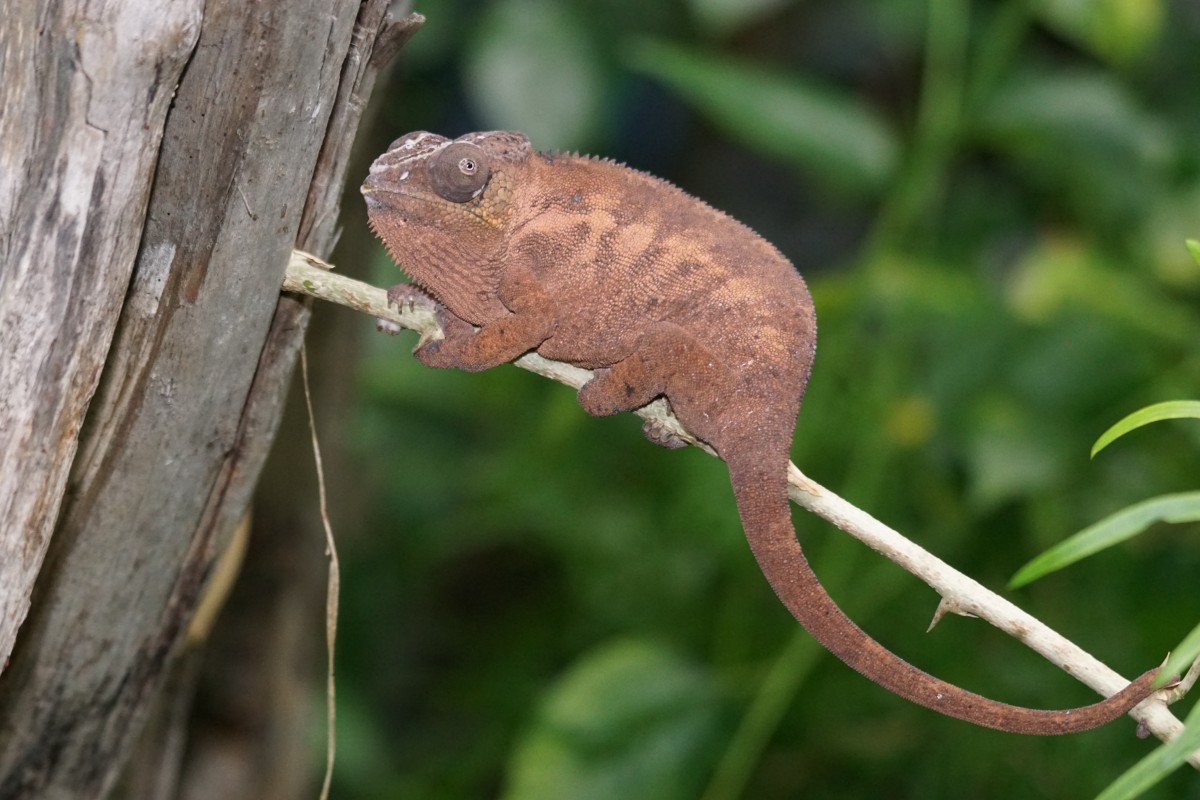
(459, 172)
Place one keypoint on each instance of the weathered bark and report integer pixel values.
(138, 396)
(85, 95)
(251, 727)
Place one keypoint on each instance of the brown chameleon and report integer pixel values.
(590, 262)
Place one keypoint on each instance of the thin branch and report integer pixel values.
(960, 594)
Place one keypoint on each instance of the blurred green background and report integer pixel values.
(989, 201)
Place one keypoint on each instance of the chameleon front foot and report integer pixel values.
(402, 297)
(432, 352)
(410, 295)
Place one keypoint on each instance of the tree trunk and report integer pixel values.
(158, 162)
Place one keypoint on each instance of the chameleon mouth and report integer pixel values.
(376, 192)
(368, 193)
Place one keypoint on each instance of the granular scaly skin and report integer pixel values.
(593, 263)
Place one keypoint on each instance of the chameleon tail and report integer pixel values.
(761, 492)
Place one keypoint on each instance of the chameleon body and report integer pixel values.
(593, 263)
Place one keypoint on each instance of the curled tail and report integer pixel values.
(761, 492)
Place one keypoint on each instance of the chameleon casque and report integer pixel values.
(591, 262)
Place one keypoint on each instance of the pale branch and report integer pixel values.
(960, 594)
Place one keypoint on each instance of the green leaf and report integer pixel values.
(1064, 274)
(1172, 409)
(1088, 109)
(1081, 134)
(726, 16)
(1116, 528)
(1183, 655)
(522, 44)
(1158, 764)
(1193, 247)
(1010, 454)
(1118, 31)
(818, 128)
(631, 721)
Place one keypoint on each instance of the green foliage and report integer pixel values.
(525, 43)
(727, 16)
(1183, 656)
(1150, 771)
(1116, 30)
(629, 704)
(988, 201)
(1172, 409)
(1113, 529)
(1119, 527)
(817, 128)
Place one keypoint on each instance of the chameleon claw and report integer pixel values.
(655, 431)
(410, 295)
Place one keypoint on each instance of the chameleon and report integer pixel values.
(588, 261)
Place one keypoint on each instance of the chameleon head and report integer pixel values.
(427, 167)
(444, 205)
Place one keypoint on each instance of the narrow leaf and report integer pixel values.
(1116, 528)
(1118, 31)
(1158, 764)
(1193, 247)
(821, 128)
(1091, 110)
(726, 16)
(630, 720)
(1182, 656)
(519, 44)
(1172, 409)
